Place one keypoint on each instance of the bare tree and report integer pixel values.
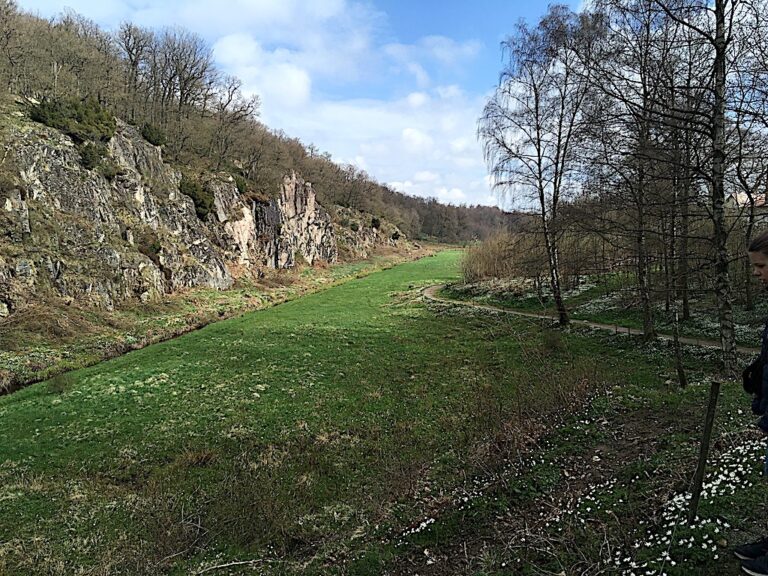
(232, 113)
(714, 25)
(530, 125)
(135, 44)
(9, 41)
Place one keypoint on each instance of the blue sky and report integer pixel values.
(394, 87)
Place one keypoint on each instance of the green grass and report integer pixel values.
(54, 336)
(611, 300)
(311, 434)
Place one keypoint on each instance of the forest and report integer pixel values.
(166, 82)
(637, 131)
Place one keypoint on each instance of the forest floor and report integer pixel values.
(366, 430)
(434, 293)
(621, 497)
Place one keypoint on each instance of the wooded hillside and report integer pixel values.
(166, 83)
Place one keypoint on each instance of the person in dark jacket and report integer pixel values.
(754, 555)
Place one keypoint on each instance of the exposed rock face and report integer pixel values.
(305, 228)
(360, 234)
(69, 230)
(272, 234)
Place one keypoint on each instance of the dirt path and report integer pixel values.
(431, 294)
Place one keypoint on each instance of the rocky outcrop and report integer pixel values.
(359, 234)
(71, 231)
(273, 234)
(305, 228)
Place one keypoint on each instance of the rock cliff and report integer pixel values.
(79, 234)
(359, 234)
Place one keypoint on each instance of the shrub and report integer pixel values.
(202, 198)
(82, 120)
(149, 244)
(9, 184)
(90, 155)
(109, 169)
(354, 226)
(241, 183)
(153, 134)
(489, 259)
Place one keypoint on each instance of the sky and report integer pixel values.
(394, 87)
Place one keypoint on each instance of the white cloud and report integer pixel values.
(459, 145)
(426, 176)
(404, 187)
(449, 51)
(418, 72)
(450, 195)
(449, 92)
(410, 148)
(360, 162)
(440, 49)
(271, 75)
(417, 99)
(416, 141)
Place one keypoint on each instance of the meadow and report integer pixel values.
(362, 430)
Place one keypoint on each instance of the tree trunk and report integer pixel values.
(722, 278)
(554, 273)
(682, 269)
(749, 300)
(643, 280)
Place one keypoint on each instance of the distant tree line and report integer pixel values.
(639, 130)
(166, 83)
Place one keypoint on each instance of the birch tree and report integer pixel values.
(530, 126)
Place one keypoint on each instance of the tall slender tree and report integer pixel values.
(530, 126)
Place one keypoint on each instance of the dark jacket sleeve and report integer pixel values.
(762, 400)
(762, 423)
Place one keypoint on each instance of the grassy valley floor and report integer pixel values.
(362, 430)
(52, 335)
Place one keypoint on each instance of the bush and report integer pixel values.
(149, 244)
(489, 259)
(109, 169)
(90, 155)
(9, 184)
(153, 134)
(354, 227)
(202, 198)
(241, 183)
(82, 120)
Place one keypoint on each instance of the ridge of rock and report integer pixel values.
(72, 232)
